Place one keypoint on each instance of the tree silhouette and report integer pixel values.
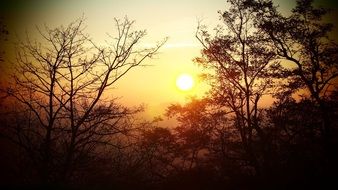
(244, 62)
(159, 149)
(199, 126)
(244, 71)
(207, 140)
(303, 40)
(59, 84)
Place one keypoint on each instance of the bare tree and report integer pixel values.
(61, 83)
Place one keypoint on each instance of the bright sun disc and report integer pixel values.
(185, 82)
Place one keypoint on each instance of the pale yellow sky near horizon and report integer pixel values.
(153, 85)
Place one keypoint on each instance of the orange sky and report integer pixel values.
(153, 86)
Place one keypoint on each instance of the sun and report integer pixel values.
(185, 82)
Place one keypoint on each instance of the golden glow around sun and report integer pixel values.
(184, 82)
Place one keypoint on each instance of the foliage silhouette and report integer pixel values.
(245, 70)
(303, 39)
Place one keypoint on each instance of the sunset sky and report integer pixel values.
(155, 85)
